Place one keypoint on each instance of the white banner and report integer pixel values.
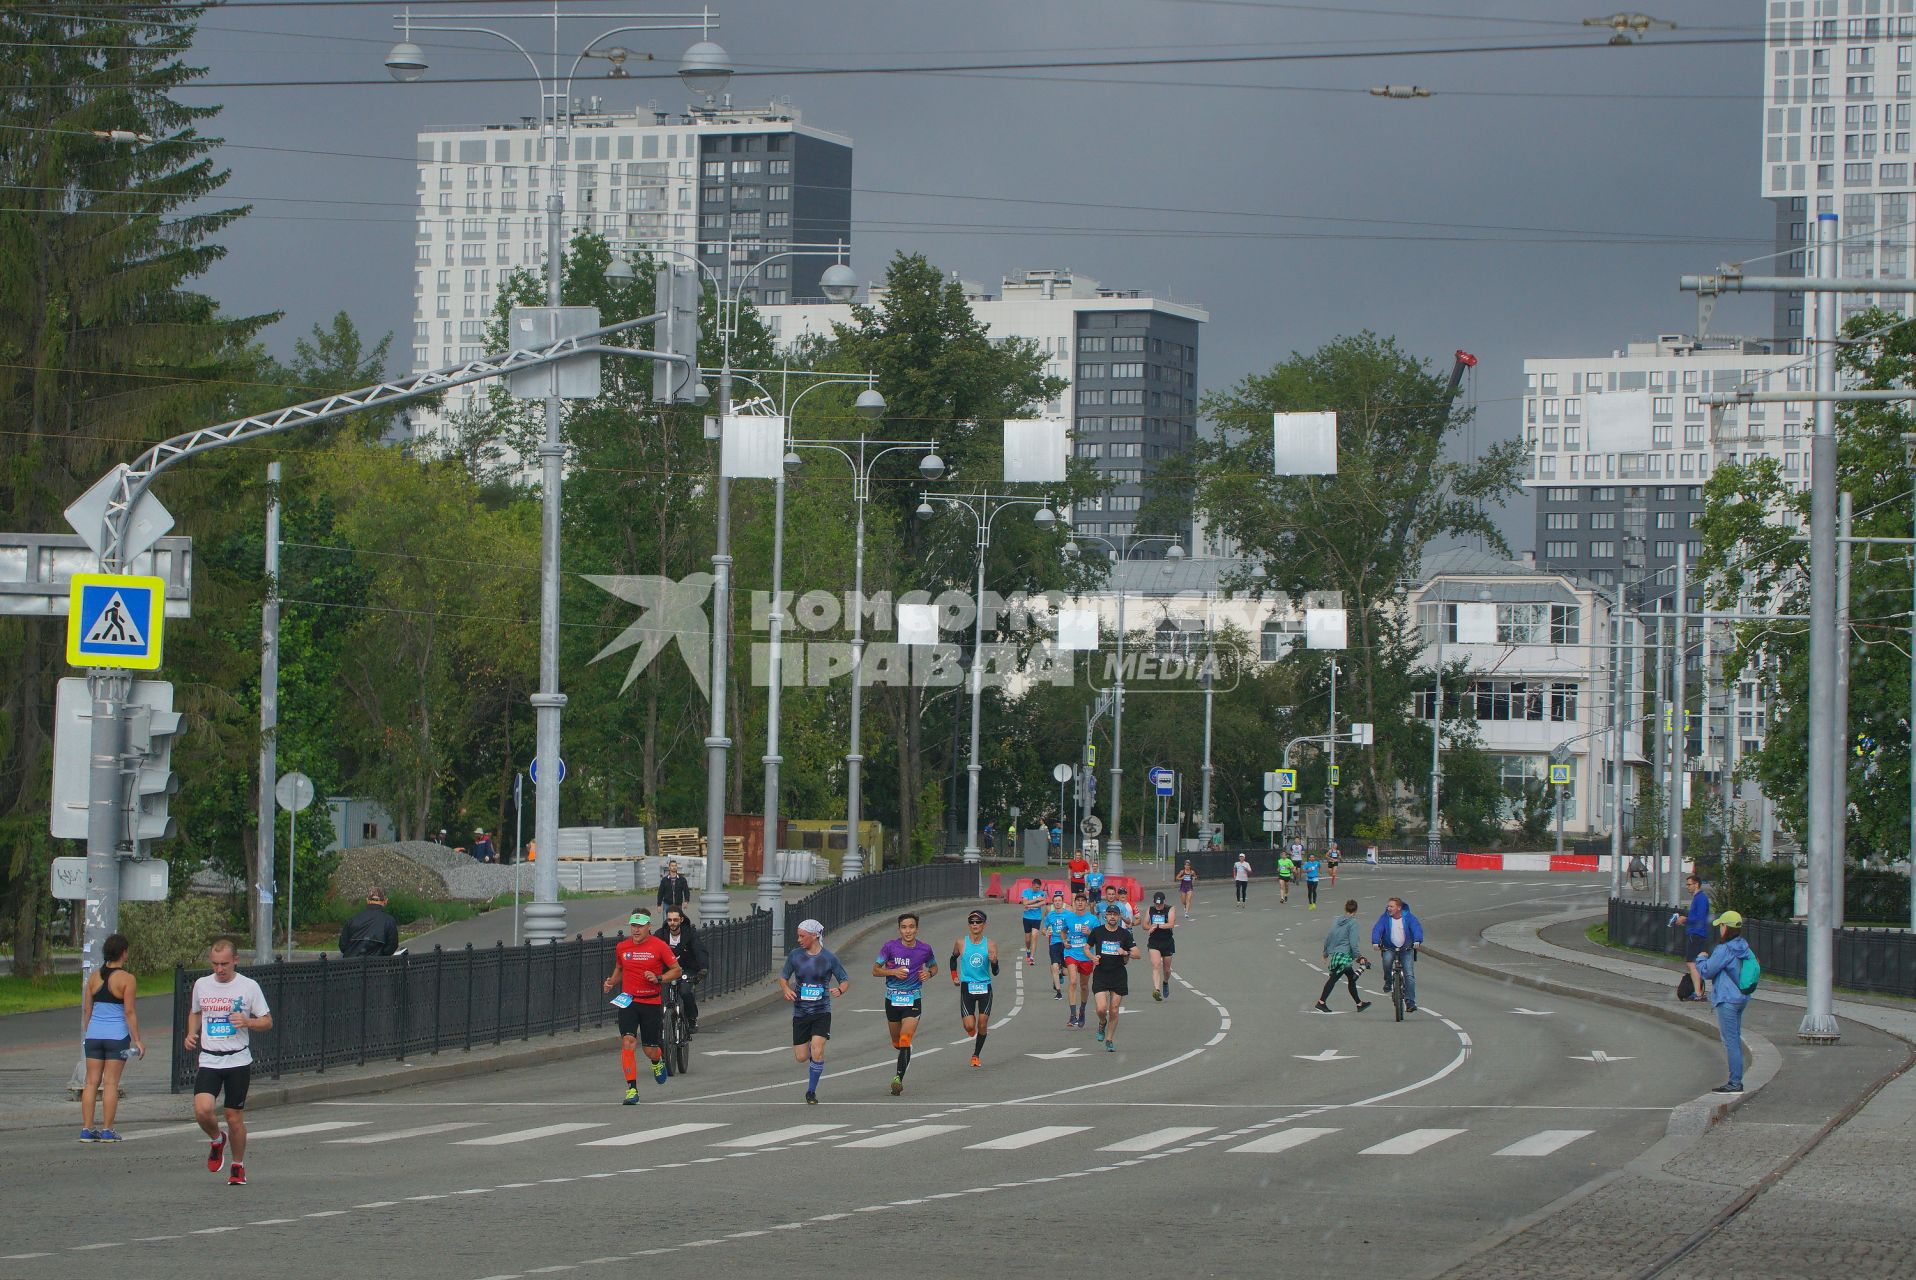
(1304, 444)
(1077, 629)
(1476, 624)
(1036, 449)
(917, 624)
(752, 447)
(1324, 629)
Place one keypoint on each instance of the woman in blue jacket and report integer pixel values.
(1721, 967)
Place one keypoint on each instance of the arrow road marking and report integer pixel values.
(1329, 1055)
(1598, 1055)
(1534, 1013)
(1053, 1057)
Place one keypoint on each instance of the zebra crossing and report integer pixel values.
(1106, 1139)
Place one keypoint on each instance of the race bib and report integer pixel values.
(898, 999)
(219, 1027)
(978, 988)
(811, 991)
(622, 1001)
(1110, 948)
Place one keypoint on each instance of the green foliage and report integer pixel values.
(160, 935)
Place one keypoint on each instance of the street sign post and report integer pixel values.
(294, 791)
(1559, 775)
(1163, 781)
(115, 620)
(1092, 826)
(141, 880)
(534, 771)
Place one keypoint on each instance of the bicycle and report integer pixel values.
(1394, 979)
(677, 1032)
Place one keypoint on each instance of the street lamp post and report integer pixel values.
(1433, 842)
(863, 461)
(545, 917)
(983, 508)
(1114, 857)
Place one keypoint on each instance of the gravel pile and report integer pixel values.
(418, 867)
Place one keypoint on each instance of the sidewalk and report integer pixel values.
(1741, 1184)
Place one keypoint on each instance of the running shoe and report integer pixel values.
(1167, 991)
(1362, 1005)
(1110, 1046)
(659, 1072)
(106, 1135)
(1100, 1033)
(975, 1062)
(1313, 906)
(1028, 959)
(238, 1177)
(1057, 993)
(811, 1098)
(216, 1155)
(1157, 993)
(897, 1085)
(632, 1095)
(89, 1135)
(1321, 1007)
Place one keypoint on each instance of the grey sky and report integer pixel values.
(1314, 210)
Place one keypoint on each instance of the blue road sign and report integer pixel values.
(534, 771)
(115, 620)
(1163, 781)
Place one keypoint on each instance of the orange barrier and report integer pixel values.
(992, 887)
(1573, 862)
(1481, 862)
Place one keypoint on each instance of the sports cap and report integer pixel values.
(640, 917)
(1733, 919)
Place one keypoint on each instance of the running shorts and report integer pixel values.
(1057, 953)
(1163, 943)
(899, 1012)
(234, 1081)
(970, 1005)
(807, 1026)
(1116, 980)
(108, 1050)
(646, 1021)
(1081, 966)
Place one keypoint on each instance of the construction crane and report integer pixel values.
(1464, 361)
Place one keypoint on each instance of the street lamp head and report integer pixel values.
(1045, 518)
(406, 61)
(839, 283)
(792, 460)
(1070, 550)
(619, 271)
(924, 511)
(701, 393)
(1259, 573)
(1176, 552)
(869, 404)
(705, 68)
(931, 466)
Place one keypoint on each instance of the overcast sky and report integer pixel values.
(1539, 203)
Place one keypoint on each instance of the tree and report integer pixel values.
(103, 347)
(1363, 532)
(1753, 513)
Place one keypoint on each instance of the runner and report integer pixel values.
(904, 963)
(974, 963)
(1094, 883)
(641, 966)
(814, 970)
(227, 1007)
(1055, 921)
(1114, 947)
(1162, 917)
(1312, 868)
(1187, 881)
(1332, 857)
(1286, 872)
(1077, 928)
(1112, 894)
(1033, 899)
(1241, 876)
(1078, 868)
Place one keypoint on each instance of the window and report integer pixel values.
(1563, 701)
(1603, 519)
(1088, 397)
(1133, 395)
(779, 166)
(1560, 520)
(1665, 550)
(714, 169)
(1666, 520)
(1128, 342)
(1560, 550)
(1094, 370)
(1603, 550)
(1089, 449)
(1093, 343)
(1127, 371)
(1565, 623)
(1278, 637)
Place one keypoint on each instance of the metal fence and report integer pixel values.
(848, 900)
(1882, 961)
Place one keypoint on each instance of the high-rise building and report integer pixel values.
(730, 184)
(1130, 359)
(1837, 139)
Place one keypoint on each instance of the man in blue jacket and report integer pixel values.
(1397, 930)
(1696, 931)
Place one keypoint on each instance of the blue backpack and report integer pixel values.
(1748, 974)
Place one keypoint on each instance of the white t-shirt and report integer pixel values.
(223, 1045)
(1397, 933)
(1241, 871)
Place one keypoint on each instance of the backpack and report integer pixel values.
(1748, 974)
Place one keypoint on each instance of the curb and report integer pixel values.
(1688, 1119)
(761, 995)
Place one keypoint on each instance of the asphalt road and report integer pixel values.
(1233, 1132)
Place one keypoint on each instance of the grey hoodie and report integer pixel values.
(1342, 937)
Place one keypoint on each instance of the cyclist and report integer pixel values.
(684, 941)
(641, 964)
(818, 977)
(1286, 872)
(1077, 928)
(1398, 933)
(974, 963)
(1032, 898)
(1161, 917)
(1055, 921)
(904, 963)
(1114, 947)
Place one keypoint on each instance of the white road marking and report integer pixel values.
(1598, 1055)
(650, 1135)
(324, 1126)
(164, 1131)
(1158, 1138)
(1405, 1144)
(1329, 1055)
(902, 1136)
(1029, 1138)
(773, 1136)
(394, 1135)
(1533, 1013)
(526, 1135)
(1283, 1140)
(1542, 1144)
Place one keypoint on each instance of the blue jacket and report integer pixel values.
(1697, 922)
(1380, 932)
(1720, 968)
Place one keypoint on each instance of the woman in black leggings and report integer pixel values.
(1340, 954)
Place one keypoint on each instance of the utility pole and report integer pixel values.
(1616, 745)
(1659, 726)
(1433, 843)
(1679, 715)
(1330, 811)
(1839, 718)
(268, 726)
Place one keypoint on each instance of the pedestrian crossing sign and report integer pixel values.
(115, 620)
(1560, 775)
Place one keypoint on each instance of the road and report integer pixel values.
(1234, 1127)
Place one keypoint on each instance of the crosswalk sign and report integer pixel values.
(115, 620)
(1559, 775)
(1286, 779)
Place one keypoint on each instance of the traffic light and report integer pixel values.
(676, 294)
(150, 734)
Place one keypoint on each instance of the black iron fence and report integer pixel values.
(350, 1012)
(848, 900)
(1875, 960)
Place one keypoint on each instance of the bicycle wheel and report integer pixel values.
(1397, 986)
(681, 1043)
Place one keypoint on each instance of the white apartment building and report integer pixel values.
(1131, 360)
(1838, 86)
(757, 179)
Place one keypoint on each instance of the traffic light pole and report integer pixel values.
(106, 840)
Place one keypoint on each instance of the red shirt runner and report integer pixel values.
(641, 961)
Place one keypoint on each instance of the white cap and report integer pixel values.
(811, 926)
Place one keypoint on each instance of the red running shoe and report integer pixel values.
(216, 1155)
(238, 1177)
